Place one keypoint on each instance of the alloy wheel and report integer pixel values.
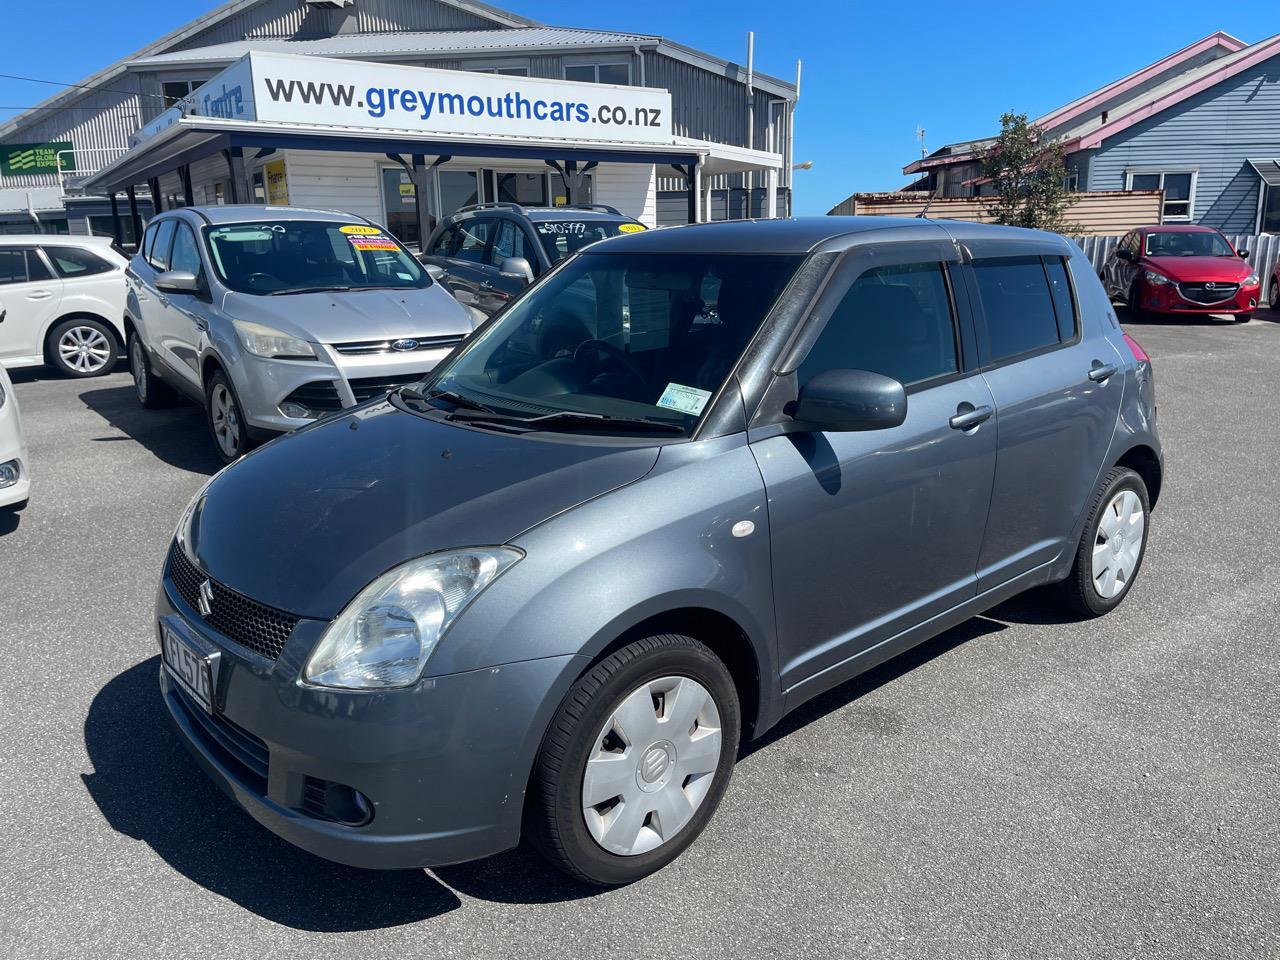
(1117, 547)
(225, 417)
(651, 765)
(84, 349)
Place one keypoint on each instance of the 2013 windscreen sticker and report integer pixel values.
(688, 400)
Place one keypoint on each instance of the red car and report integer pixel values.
(1172, 270)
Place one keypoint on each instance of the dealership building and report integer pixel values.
(400, 111)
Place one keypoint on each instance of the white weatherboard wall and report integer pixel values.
(335, 181)
(631, 187)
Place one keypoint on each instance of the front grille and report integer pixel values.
(1218, 293)
(365, 347)
(318, 395)
(366, 388)
(235, 747)
(249, 623)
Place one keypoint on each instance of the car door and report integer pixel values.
(168, 338)
(496, 288)
(466, 259)
(29, 299)
(185, 315)
(1052, 375)
(873, 533)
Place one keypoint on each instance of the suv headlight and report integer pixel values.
(1159, 279)
(385, 635)
(264, 341)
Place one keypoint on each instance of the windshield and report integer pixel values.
(1188, 244)
(640, 337)
(563, 237)
(292, 256)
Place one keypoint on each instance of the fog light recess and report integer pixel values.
(296, 411)
(9, 473)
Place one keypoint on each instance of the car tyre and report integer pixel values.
(1112, 547)
(83, 348)
(1242, 317)
(1273, 299)
(225, 417)
(603, 722)
(151, 391)
(1136, 313)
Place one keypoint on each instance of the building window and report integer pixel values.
(508, 71)
(1270, 209)
(175, 90)
(1179, 191)
(619, 73)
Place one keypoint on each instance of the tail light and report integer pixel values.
(1136, 349)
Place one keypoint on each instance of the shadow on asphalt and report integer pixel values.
(9, 520)
(179, 436)
(47, 373)
(149, 789)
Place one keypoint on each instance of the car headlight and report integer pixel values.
(1159, 279)
(1252, 280)
(264, 341)
(187, 522)
(385, 635)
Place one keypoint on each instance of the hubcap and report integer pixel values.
(226, 420)
(139, 364)
(84, 349)
(1118, 545)
(651, 765)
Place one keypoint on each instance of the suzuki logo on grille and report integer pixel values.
(406, 344)
(204, 603)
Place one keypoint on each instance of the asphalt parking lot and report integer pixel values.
(1022, 786)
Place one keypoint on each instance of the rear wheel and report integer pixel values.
(83, 348)
(1273, 300)
(1112, 546)
(226, 418)
(635, 761)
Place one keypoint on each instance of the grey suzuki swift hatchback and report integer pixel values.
(688, 480)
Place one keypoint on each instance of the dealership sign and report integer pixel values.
(21, 159)
(316, 91)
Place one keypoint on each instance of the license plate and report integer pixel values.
(190, 668)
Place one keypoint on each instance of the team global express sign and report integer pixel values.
(20, 159)
(286, 88)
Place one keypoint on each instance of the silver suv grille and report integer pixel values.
(365, 347)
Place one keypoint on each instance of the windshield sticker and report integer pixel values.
(242, 234)
(373, 243)
(688, 400)
(630, 227)
(560, 228)
(355, 230)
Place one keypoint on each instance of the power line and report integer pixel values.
(80, 86)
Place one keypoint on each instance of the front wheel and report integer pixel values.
(1112, 546)
(1135, 302)
(635, 761)
(1242, 317)
(226, 418)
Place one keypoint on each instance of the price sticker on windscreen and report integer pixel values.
(688, 400)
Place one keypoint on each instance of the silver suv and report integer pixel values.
(273, 317)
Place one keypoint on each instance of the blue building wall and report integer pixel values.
(1216, 131)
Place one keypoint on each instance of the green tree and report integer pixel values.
(1027, 173)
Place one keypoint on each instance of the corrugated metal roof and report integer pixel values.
(1268, 170)
(390, 44)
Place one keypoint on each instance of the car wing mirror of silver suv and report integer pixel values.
(178, 281)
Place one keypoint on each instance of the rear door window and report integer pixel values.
(1018, 306)
(895, 320)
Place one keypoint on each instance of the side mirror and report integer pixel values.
(517, 267)
(1124, 254)
(1242, 253)
(178, 281)
(848, 400)
(435, 272)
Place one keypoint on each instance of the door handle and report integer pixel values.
(3, 314)
(1102, 371)
(39, 295)
(968, 416)
(200, 324)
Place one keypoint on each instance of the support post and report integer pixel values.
(235, 164)
(115, 220)
(421, 181)
(157, 202)
(188, 194)
(771, 193)
(134, 216)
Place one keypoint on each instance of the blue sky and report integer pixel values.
(873, 73)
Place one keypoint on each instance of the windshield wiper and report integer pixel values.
(457, 399)
(286, 293)
(566, 420)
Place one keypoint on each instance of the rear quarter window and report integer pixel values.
(73, 262)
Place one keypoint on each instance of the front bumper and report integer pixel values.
(444, 764)
(335, 379)
(1166, 298)
(13, 453)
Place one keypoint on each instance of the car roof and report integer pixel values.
(60, 239)
(245, 212)
(1177, 228)
(803, 235)
(542, 214)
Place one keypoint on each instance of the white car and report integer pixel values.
(62, 303)
(15, 480)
